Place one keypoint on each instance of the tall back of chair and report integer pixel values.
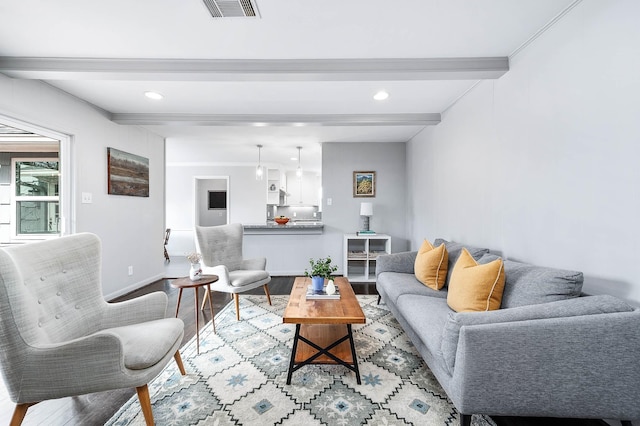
(220, 245)
(49, 292)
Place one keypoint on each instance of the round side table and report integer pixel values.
(181, 284)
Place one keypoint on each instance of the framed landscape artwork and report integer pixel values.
(128, 174)
(364, 184)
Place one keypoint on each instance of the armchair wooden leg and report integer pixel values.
(19, 413)
(145, 403)
(207, 296)
(266, 291)
(465, 419)
(178, 359)
(236, 300)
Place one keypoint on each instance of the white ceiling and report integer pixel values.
(302, 74)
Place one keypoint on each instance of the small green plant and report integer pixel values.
(320, 268)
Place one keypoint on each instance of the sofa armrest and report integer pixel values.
(396, 262)
(579, 366)
(590, 305)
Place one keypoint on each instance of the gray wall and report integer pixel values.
(542, 164)
(130, 228)
(206, 216)
(339, 161)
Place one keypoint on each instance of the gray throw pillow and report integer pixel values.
(454, 249)
(527, 284)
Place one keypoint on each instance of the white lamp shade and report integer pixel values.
(366, 209)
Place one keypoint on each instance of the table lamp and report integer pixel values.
(366, 211)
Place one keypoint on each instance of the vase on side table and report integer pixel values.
(195, 272)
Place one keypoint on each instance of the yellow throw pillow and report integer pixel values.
(431, 265)
(475, 287)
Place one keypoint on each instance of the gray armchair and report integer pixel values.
(221, 250)
(59, 337)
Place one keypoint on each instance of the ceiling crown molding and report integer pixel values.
(369, 69)
(257, 120)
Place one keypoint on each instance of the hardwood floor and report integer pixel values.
(97, 408)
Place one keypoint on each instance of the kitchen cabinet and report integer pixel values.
(303, 191)
(360, 253)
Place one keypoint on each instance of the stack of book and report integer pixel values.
(322, 294)
(366, 233)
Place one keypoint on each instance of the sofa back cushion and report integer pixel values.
(454, 249)
(527, 284)
(431, 265)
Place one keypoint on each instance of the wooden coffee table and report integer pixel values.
(320, 336)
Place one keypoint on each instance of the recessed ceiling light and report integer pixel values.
(381, 95)
(153, 95)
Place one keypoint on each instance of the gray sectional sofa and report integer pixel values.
(549, 351)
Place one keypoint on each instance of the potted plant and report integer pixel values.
(320, 270)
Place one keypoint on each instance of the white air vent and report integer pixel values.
(232, 8)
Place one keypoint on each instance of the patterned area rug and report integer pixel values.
(239, 377)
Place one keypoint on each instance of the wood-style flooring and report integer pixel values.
(97, 408)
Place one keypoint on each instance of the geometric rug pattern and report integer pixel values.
(239, 378)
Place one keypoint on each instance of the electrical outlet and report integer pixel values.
(294, 214)
(329, 201)
(130, 270)
(314, 214)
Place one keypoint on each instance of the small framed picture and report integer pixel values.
(364, 184)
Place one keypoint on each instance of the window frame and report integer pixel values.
(15, 199)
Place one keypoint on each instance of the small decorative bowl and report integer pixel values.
(282, 220)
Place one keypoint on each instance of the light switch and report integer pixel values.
(329, 201)
(86, 198)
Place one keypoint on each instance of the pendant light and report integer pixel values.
(299, 169)
(259, 168)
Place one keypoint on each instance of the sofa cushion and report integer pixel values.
(395, 284)
(427, 317)
(589, 305)
(431, 265)
(454, 249)
(527, 284)
(474, 286)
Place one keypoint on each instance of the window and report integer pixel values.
(37, 196)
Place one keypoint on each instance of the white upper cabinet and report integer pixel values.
(303, 191)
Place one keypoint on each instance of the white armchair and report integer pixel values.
(221, 250)
(59, 337)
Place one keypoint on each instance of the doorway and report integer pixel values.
(212, 200)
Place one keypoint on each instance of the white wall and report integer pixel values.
(247, 199)
(131, 228)
(289, 254)
(542, 164)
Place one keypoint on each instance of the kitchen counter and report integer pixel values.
(291, 228)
